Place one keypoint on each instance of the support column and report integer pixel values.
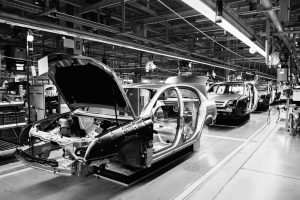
(123, 15)
(140, 31)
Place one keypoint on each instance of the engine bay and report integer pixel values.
(61, 145)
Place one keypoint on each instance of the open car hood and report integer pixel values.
(85, 82)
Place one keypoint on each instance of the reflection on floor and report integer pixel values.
(271, 173)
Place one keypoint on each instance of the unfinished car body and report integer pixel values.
(266, 94)
(234, 99)
(198, 82)
(135, 125)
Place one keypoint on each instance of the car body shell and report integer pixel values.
(234, 105)
(82, 142)
(266, 94)
(200, 83)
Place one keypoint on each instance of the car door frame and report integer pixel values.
(248, 96)
(201, 102)
(157, 105)
(149, 111)
(200, 121)
(255, 97)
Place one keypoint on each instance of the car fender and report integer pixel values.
(211, 112)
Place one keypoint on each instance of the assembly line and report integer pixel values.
(149, 99)
(217, 143)
(137, 136)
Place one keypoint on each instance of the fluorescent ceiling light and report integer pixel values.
(209, 13)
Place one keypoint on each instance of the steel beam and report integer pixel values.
(251, 12)
(99, 5)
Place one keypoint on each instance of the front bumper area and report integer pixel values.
(61, 166)
(229, 113)
(31, 159)
(263, 103)
(224, 109)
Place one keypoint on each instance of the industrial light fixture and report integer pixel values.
(209, 13)
(150, 66)
(29, 37)
(213, 74)
(219, 11)
(252, 50)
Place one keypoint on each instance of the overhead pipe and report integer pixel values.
(274, 17)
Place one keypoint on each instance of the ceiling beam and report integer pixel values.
(168, 17)
(75, 3)
(99, 5)
(191, 31)
(142, 8)
(251, 12)
(60, 30)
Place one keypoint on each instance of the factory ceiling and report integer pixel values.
(125, 33)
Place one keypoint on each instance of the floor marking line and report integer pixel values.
(272, 174)
(15, 172)
(190, 189)
(224, 137)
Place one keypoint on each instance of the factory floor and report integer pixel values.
(254, 160)
(266, 169)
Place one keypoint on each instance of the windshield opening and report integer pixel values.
(227, 89)
(262, 87)
(139, 98)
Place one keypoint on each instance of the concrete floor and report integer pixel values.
(267, 169)
(250, 161)
(271, 173)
